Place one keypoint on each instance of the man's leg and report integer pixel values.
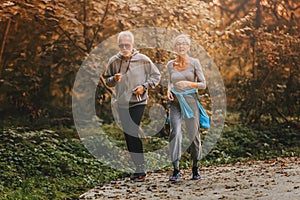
(131, 120)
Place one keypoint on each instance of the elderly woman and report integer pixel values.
(185, 78)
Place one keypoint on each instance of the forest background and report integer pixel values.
(254, 43)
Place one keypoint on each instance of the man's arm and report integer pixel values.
(154, 76)
(108, 75)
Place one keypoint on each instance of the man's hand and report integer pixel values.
(139, 90)
(118, 77)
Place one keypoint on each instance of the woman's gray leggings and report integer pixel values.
(184, 136)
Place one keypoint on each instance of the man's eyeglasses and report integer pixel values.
(127, 46)
(181, 44)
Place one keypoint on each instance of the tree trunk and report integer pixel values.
(257, 23)
(3, 45)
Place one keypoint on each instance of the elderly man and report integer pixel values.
(131, 73)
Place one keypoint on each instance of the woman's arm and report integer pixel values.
(201, 83)
(169, 93)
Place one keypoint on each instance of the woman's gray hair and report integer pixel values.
(184, 36)
(126, 34)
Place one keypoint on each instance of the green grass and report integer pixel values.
(53, 164)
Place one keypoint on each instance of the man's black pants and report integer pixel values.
(130, 120)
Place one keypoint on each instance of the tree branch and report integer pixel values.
(72, 41)
(85, 26)
(105, 12)
(108, 89)
(290, 6)
(100, 27)
(3, 44)
(237, 11)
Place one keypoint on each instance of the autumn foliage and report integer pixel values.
(254, 43)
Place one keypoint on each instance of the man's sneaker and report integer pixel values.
(176, 175)
(196, 174)
(138, 176)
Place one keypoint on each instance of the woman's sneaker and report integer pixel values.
(176, 175)
(196, 174)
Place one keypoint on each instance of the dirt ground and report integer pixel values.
(277, 179)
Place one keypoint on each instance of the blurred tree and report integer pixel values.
(255, 44)
(263, 41)
(44, 43)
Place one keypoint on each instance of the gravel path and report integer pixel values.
(277, 179)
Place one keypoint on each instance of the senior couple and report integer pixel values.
(132, 73)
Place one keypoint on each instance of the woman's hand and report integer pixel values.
(170, 95)
(183, 84)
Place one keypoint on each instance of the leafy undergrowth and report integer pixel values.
(48, 164)
(240, 143)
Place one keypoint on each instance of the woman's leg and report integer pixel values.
(175, 138)
(195, 140)
(192, 127)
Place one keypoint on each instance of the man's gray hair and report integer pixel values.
(126, 34)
